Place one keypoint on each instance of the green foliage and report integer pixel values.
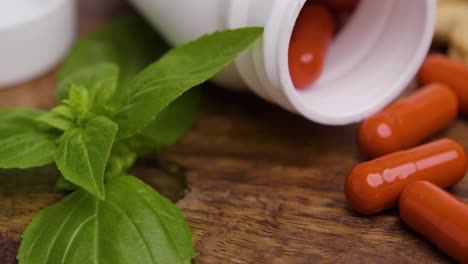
(24, 141)
(111, 109)
(134, 224)
(83, 152)
(180, 69)
(100, 79)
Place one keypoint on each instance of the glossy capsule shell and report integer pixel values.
(439, 68)
(438, 216)
(408, 121)
(309, 43)
(374, 186)
(341, 5)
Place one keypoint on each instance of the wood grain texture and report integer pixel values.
(264, 185)
(268, 188)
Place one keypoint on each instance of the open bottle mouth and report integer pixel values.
(369, 63)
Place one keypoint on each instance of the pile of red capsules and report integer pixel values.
(411, 176)
(401, 173)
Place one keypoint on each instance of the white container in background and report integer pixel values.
(370, 62)
(34, 36)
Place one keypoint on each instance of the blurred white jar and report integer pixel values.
(34, 36)
(370, 62)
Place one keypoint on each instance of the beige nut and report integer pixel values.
(448, 15)
(456, 55)
(458, 41)
(444, 2)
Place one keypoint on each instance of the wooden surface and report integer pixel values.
(264, 186)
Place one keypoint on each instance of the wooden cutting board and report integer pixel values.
(263, 185)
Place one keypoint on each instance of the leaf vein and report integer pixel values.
(148, 251)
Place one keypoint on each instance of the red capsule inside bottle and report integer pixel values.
(309, 43)
(344, 6)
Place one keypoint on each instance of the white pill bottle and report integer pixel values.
(370, 62)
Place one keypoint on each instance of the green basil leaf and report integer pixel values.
(19, 116)
(180, 69)
(80, 105)
(62, 185)
(134, 224)
(60, 117)
(24, 141)
(99, 79)
(170, 125)
(54, 120)
(121, 159)
(79, 102)
(128, 42)
(167, 128)
(83, 153)
(63, 111)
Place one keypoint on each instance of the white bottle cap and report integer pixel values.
(370, 62)
(34, 36)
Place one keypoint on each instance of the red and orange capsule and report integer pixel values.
(341, 5)
(438, 216)
(439, 68)
(309, 43)
(408, 121)
(374, 186)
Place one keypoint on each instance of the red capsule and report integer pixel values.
(408, 121)
(438, 216)
(439, 68)
(341, 5)
(309, 43)
(374, 186)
